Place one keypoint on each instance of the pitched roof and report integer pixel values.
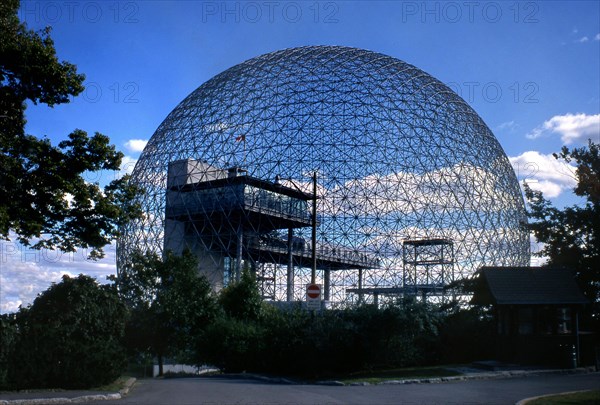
(529, 285)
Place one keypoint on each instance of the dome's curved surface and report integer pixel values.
(399, 157)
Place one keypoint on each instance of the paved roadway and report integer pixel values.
(220, 390)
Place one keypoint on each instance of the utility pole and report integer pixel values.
(313, 273)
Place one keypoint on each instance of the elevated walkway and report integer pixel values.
(329, 257)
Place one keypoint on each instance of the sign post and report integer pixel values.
(313, 296)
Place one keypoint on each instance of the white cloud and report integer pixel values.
(225, 126)
(446, 188)
(136, 145)
(127, 165)
(9, 306)
(467, 242)
(571, 127)
(585, 38)
(535, 247)
(548, 188)
(544, 173)
(25, 272)
(510, 126)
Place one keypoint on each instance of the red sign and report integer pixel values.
(313, 291)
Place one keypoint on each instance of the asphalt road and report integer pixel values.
(219, 390)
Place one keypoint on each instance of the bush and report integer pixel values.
(70, 337)
(8, 336)
(233, 345)
(286, 334)
(256, 337)
(467, 335)
(295, 342)
(235, 341)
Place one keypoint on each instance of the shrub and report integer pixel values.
(8, 336)
(70, 337)
(467, 335)
(296, 342)
(232, 345)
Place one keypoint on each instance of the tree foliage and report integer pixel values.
(571, 236)
(70, 337)
(242, 299)
(44, 197)
(171, 303)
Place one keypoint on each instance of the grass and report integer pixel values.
(378, 376)
(583, 397)
(114, 386)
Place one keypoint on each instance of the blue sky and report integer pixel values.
(530, 69)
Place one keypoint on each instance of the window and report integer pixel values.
(503, 321)
(525, 321)
(563, 318)
(546, 320)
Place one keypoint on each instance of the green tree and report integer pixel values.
(236, 340)
(571, 236)
(242, 299)
(44, 198)
(70, 337)
(171, 304)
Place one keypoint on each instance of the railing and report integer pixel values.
(274, 203)
(324, 252)
(236, 197)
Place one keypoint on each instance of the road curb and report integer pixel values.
(485, 375)
(75, 400)
(280, 380)
(479, 376)
(531, 399)
(128, 385)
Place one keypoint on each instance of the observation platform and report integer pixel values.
(256, 205)
(236, 215)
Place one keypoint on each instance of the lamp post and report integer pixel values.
(313, 272)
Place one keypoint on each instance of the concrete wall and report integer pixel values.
(178, 236)
(189, 171)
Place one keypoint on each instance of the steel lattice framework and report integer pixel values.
(399, 157)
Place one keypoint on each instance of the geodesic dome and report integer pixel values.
(403, 165)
